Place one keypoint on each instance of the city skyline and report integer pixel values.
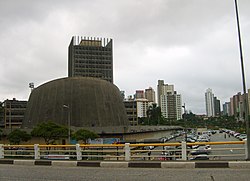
(193, 45)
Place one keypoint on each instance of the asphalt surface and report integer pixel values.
(40, 173)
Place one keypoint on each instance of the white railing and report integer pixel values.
(235, 150)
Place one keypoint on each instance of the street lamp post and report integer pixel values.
(69, 123)
(243, 82)
(184, 118)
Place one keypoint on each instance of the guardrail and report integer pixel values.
(235, 150)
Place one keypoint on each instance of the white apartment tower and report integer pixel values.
(209, 98)
(142, 107)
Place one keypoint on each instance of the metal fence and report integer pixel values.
(233, 150)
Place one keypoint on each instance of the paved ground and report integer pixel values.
(48, 173)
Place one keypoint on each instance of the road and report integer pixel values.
(48, 173)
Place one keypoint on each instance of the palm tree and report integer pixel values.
(154, 114)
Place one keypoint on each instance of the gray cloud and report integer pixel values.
(191, 44)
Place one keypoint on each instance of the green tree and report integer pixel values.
(154, 115)
(16, 136)
(50, 132)
(84, 135)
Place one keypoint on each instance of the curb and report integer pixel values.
(177, 164)
(133, 164)
(64, 163)
(24, 162)
(211, 165)
(239, 164)
(114, 164)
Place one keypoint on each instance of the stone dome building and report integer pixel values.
(89, 102)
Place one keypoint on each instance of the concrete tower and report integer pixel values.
(90, 57)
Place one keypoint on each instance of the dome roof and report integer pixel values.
(89, 102)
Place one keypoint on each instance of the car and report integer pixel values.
(201, 150)
(200, 157)
(236, 134)
(190, 140)
(203, 140)
(242, 136)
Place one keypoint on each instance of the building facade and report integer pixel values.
(2, 123)
(237, 106)
(139, 94)
(159, 91)
(170, 101)
(171, 106)
(227, 109)
(90, 57)
(142, 107)
(14, 111)
(248, 95)
(136, 109)
(209, 99)
(150, 94)
(131, 110)
(217, 109)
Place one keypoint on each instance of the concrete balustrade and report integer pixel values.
(111, 152)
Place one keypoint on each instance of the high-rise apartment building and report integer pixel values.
(90, 57)
(217, 109)
(236, 106)
(150, 94)
(142, 107)
(227, 109)
(159, 91)
(171, 106)
(164, 89)
(170, 101)
(209, 99)
(139, 94)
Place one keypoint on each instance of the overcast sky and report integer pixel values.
(192, 44)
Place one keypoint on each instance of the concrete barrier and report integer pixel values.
(219, 164)
(114, 164)
(43, 162)
(88, 163)
(5, 161)
(24, 162)
(239, 164)
(64, 163)
(134, 164)
(145, 164)
(177, 165)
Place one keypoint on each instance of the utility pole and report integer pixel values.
(69, 122)
(185, 120)
(243, 83)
